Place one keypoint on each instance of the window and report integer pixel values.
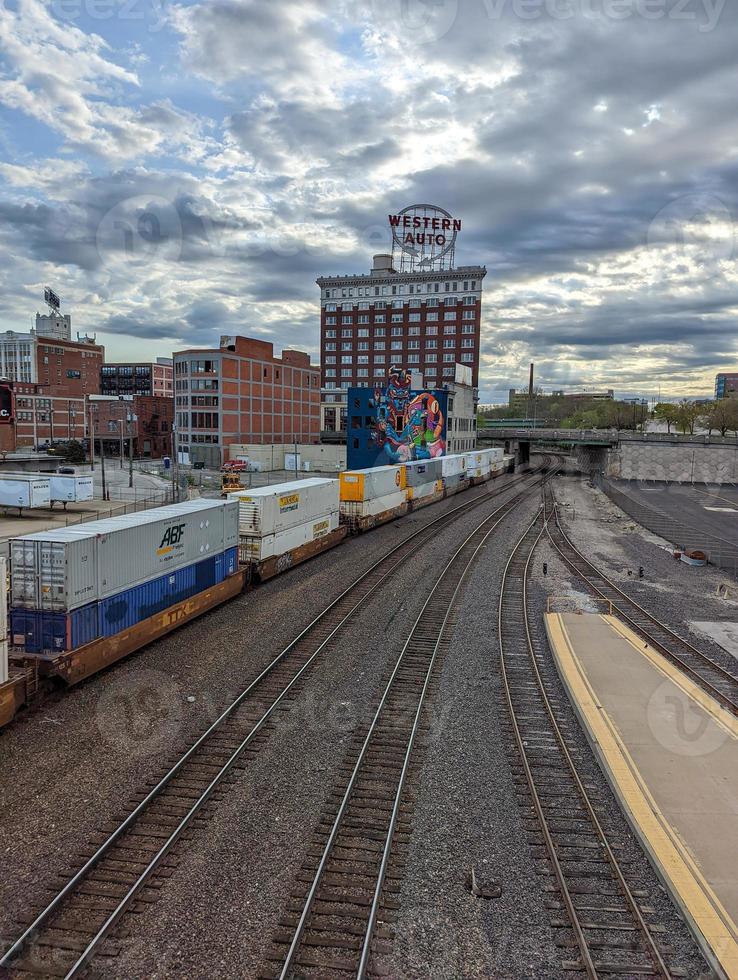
(396, 345)
(467, 328)
(397, 304)
(413, 345)
(380, 332)
(330, 320)
(363, 318)
(397, 317)
(431, 316)
(330, 372)
(347, 333)
(347, 345)
(379, 358)
(330, 384)
(448, 372)
(347, 358)
(449, 342)
(380, 304)
(346, 372)
(467, 341)
(414, 317)
(431, 330)
(466, 358)
(469, 300)
(331, 333)
(347, 319)
(379, 318)
(468, 314)
(379, 345)
(414, 331)
(363, 372)
(330, 307)
(431, 358)
(449, 316)
(363, 345)
(397, 331)
(449, 358)
(414, 302)
(449, 330)
(413, 358)
(449, 301)
(203, 367)
(364, 332)
(362, 359)
(431, 301)
(330, 346)
(363, 306)
(431, 344)
(331, 359)
(347, 306)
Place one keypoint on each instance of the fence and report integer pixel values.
(683, 536)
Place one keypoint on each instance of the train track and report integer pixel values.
(713, 678)
(345, 892)
(123, 870)
(609, 923)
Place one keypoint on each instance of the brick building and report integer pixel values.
(70, 367)
(38, 418)
(147, 419)
(241, 393)
(426, 320)
(138, 378)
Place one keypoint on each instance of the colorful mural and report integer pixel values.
(395, 424)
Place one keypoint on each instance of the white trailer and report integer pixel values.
(270, 510)
(69, 488)
(24, 490)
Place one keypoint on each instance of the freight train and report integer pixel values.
(83, 597)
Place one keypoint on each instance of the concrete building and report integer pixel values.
(726, 386)
(154, 378)
(54, 324)
(241, 393)
(427, 319)
(461, 431)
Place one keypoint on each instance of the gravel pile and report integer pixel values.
(71, 767)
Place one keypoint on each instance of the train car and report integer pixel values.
(455, 476)
(285, 524)
(424, 482)
(84, 597)
(372, 496)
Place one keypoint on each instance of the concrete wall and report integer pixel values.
(678, 463)
(325, 459)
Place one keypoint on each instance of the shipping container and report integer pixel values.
(455, 484)
(352, 510)
(69, 488)
(426, 492)
(19, 490)
(422, 471)
(43, 631)
(453, 465)
(376, 481)
(269, 510)
(258, 548)
(67, 568)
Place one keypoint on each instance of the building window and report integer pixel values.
(363, 318)
(363, 306)
(413, 358)
(330, 373)
(431, 344)
(414, 317)
(449, 358)
(469, 300)
(363, 345)
(467, 358)
(449, 316)
(468, 314)
(347, 345)
(330, 320)
(379, 358)
(347, 333)
(347, 358)
(397, 331)
(364, 332)
(346, 372)
(431, 316)
(449, 330)
(378, 345)
(330, 333)
(467, 328)
(347, 319)
(413, 345)
(380, 332)
(330, 346)
(414, 331)
(362, 359)
(330, 307)
(379, 318)
(467, 341)
(362, 372)
(431, 358)
(449, 342)
(396, 345)
(397, 318)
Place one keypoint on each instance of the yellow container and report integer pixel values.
(367, 484)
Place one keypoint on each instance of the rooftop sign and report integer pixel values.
(425, 234)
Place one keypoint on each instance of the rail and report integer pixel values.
(204, 765)
(564, 810)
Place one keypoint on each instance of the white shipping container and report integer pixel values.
(69, 567)
(268, 510)
(70, 488)
(374, 506)
(453, 465)
(256, 549)
(425, 490)
(19, 490)
(367, 484)
(4, 621)
(421, 471)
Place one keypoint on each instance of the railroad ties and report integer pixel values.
(713, 678)
(339, 919)
(128, 860)
(602, 924)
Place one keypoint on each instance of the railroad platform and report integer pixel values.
(671, 754)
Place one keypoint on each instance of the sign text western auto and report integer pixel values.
(411, 226)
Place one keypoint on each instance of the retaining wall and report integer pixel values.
(686, 463)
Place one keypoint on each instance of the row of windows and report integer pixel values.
(429, 372)
(431, 331)
(430, 317)
(409, 288)
(449, 343)
(347, 372)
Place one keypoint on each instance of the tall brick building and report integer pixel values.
(241, 393)
(425, 320)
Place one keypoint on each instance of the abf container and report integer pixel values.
(422, 471)
(68, 488)
(67, 568)
(269, 510)
(19, 490)
(368, 484)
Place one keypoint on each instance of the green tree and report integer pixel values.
(687, 415)
(721, 415)
(667, 412)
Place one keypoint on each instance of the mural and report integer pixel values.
(395, 424)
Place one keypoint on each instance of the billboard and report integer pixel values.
(395, 423)
(51, 298)
(7, 405)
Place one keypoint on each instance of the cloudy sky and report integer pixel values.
(182, 170)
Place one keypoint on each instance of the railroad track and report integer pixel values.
(713, 678)
(129, 860)
(597, 912)
(345, 893)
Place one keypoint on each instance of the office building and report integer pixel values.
(155, 378)
(726, 386)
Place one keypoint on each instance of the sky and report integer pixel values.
(178, 171)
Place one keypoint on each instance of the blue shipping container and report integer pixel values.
(54, 632)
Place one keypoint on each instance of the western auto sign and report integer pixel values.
(6, 403)
(424, 231)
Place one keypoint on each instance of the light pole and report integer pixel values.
(130, 449)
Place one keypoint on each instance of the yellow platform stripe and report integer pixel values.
(689, 886)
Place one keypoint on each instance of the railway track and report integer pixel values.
(338, 919)
(596, 912)
(713, 678)
(129, 860)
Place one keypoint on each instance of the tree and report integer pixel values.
(687, 415)
(721, 415)
(667, 412)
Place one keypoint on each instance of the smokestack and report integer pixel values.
(530, 383)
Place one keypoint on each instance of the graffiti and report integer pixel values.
(396, 424)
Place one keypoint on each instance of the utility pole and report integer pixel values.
(92, 439)
(130, 448)
(295, 438)
(120, 434)
(102, 468)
